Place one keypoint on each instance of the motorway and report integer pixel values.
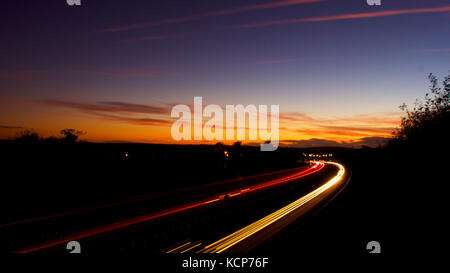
(279, 215)
(229, 216)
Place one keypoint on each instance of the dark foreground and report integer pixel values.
(379, 204)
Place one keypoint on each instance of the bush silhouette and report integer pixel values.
(71, 135)
(27, 137)
(426, 125)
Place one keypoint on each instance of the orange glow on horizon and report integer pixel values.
(48, 121)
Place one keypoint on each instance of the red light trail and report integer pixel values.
(140, 219)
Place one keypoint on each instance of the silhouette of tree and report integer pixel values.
(71, 135)
(237, 144)
(27, 137)
(235, 156)
(427, 123)
(218, 147)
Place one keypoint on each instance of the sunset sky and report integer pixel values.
(339, 69)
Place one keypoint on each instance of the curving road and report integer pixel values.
(260, 183)
(301, 205)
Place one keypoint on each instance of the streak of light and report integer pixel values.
(144, 218)
(211, 201)
(238, 236)
(178, 247)
(111, 204)
(194, 246)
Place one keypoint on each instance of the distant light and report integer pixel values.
(126, 154)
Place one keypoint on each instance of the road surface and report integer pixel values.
(175, 229)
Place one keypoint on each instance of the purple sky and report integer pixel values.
(338, 69)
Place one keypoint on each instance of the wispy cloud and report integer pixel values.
(358, 129)
(339, 134)
(137, 114)
(318, 142)
(384, 118)
(297, 117)
(346, 16)
(11, 127)
(365, 125)
(109, 106)
(301, 124)
(135, 120)
(230, 11)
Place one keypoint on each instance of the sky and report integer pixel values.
(338, 69)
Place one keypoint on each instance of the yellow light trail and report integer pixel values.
(236, 237)
(179, 247)
(194, 246)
